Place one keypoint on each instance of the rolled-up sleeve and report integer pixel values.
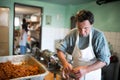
(67, 44)
(61, 45)
(102, 49)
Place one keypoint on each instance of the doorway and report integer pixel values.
(4, 31)
(33, 16)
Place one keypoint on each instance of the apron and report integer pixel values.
(85, 57)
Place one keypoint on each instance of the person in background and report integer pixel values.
(88, 48)
(23, 37)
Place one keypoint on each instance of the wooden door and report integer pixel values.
(4, 31)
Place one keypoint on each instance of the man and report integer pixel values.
(88, 47)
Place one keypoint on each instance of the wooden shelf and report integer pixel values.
(34, 22)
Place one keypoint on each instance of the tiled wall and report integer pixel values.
(50, 35)
(114, 39)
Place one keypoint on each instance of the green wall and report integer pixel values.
(9, 4)
(107, 16)
(57, 12)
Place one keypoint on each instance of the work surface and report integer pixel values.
(50, 76)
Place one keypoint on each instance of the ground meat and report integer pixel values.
(10, 71)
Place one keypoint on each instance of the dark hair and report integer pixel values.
(24, 20)
(85, 15)
(25, 25)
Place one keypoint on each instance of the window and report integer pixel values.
(17, 22)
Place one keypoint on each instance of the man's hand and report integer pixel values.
(79, 71)
(67, 68)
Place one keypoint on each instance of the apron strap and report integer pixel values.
(77, 38)
(90, 38)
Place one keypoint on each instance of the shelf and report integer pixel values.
(34, 22)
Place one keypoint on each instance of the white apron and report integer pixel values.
(85, 57)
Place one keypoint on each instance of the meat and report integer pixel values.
(10, 71)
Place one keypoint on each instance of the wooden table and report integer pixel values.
(50, 76)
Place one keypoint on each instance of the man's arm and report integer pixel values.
(67, 68)
(95, 66)
(82, 70)
(63, 60)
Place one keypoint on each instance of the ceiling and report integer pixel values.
(66, 2)
(28, 10)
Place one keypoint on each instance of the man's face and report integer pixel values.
(84, 28)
